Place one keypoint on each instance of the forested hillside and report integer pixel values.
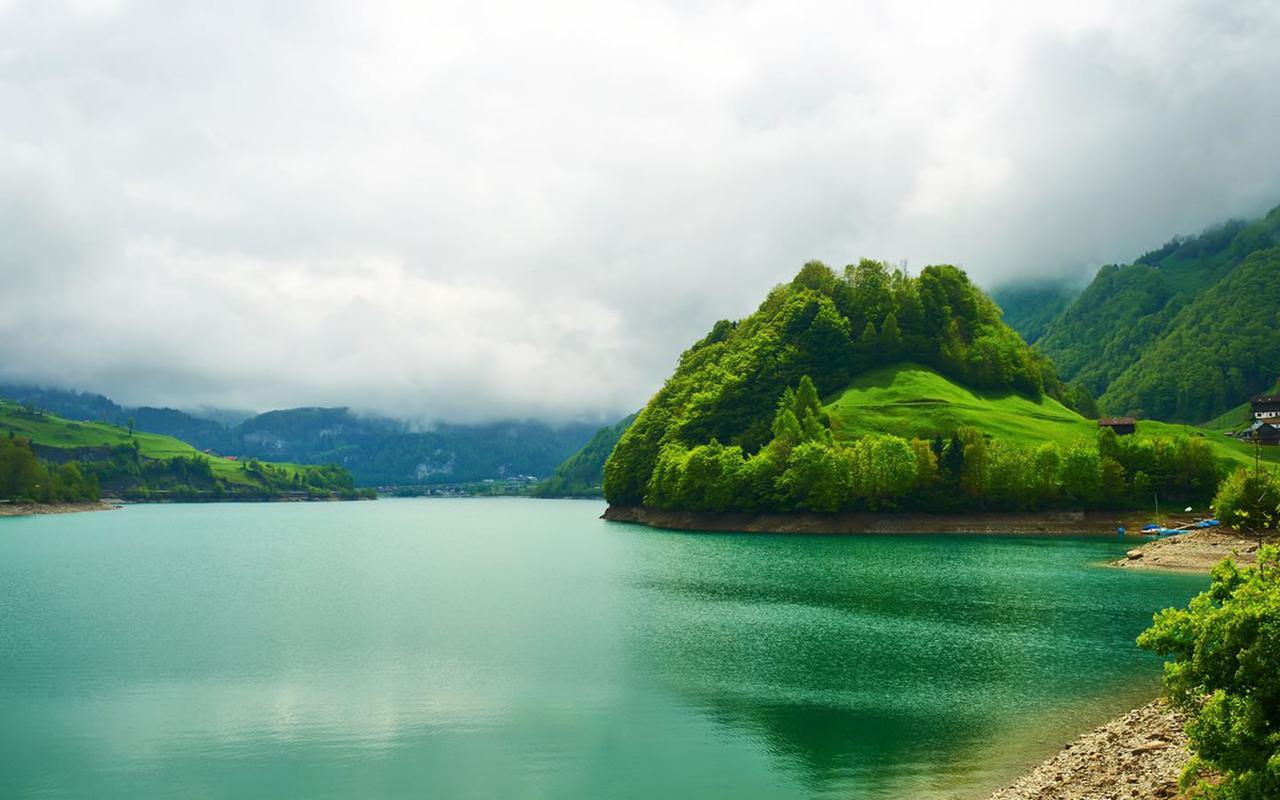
(1030, 308)
(828, 328)
(1180, 333)
(582, 474)
(1218, 349)
(376, 450)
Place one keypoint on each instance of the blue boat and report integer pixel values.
(1159, 530)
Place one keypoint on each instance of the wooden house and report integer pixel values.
(1265, 407)
(1266, 432)
(1123, 426)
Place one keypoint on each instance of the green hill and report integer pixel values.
(911, 401)
(140, 464)
(829, 328)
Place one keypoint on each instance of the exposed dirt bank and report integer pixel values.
(1049, 523)
(27, 509)
(1196, 551)
(1139, 754)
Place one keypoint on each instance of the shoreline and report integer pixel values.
(1137, 754)
(1196, 551)
(37, 509)
(1052, 523)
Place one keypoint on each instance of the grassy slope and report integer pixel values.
(909, 400)
(54, 431)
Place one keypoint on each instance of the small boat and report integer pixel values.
(1159, 530)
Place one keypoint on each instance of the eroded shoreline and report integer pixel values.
(1051, 523)
(35, 509)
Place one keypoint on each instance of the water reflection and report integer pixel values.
(525, 649)
(868, 666)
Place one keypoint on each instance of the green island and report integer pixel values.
(47, 459)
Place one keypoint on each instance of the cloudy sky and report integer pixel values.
(478, 210)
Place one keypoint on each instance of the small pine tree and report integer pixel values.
(890, 338)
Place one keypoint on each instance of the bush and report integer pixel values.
(1225, 674)
(1247, 500)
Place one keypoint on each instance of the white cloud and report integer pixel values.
(463, 211)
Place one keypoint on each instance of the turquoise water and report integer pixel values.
(519, 648)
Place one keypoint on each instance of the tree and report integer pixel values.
(818, 477)
(1248, 499)
(926, 463)
(884, 469)
(1082, 473)
(890, 338)
(1225, 674)
(868, 341)
(1046, 461)
(974, 472)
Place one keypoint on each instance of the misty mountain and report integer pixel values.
(376, 450)
(1184, 332)
(1030, 308)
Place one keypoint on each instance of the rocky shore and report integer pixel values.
(1138, 755)
(28, 509)
(1197, 551)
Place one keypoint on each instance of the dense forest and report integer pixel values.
(24, 477)
(804, 468)
(827, 328)
(1183, 333)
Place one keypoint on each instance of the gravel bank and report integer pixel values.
(1138, 755)
(1197, 551)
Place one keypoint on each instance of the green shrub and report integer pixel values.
(1225, 673)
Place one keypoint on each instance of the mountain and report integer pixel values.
(376, 450)
(936, 405)
(1183, 332)
(1217, 350)
(1030, 308)
(582, 474)
(381, 451)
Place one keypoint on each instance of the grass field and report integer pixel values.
(51, 430)
(910, 400)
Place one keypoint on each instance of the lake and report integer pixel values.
(526, 649)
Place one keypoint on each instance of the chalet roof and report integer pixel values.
(1110, 421)
(1272, 398)
(1264, 423)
